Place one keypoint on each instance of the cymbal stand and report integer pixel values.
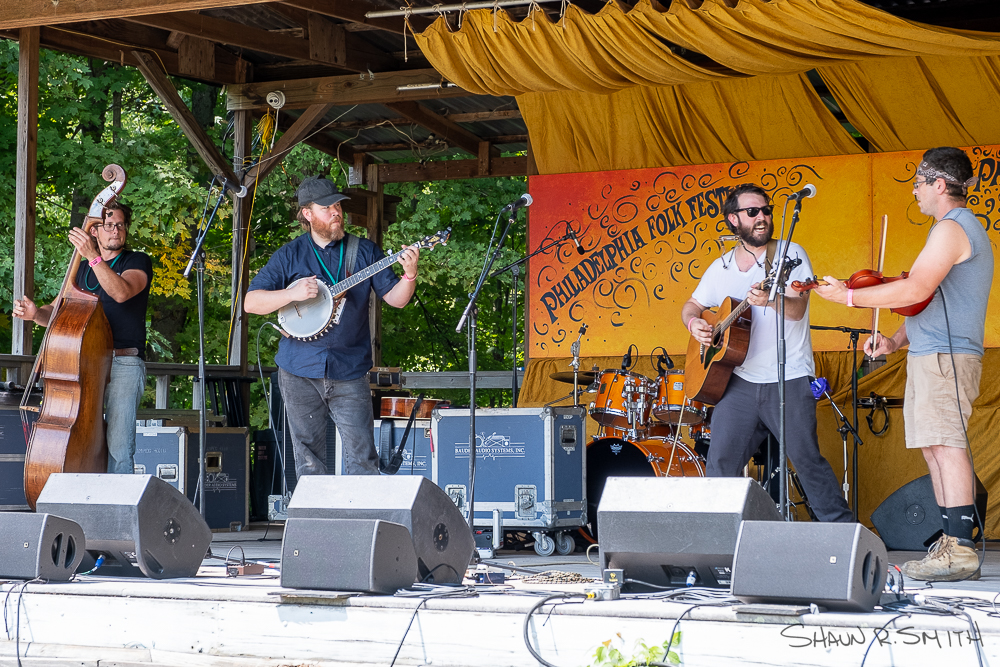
(575, 351)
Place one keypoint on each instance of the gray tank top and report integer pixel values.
(966, 291)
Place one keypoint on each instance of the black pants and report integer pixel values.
(742, 419)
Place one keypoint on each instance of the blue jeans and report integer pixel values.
(349, 404)
(121, 401)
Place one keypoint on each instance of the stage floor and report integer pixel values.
(216, 620)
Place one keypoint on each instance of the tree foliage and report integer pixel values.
(92, 113)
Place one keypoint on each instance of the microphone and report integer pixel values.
(239, 192)
(525, 200)
(627, 359)
(808, 191)
(572, 235)
(667, 361)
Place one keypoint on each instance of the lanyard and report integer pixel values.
(333, 281)
(86, 276)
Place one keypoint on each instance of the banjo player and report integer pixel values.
(329, 373)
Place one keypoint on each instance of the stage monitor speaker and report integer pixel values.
(677, 531)
(39, 546)
(840, 566)
(910, 519)
(138, 521)
(442, 539)
(366, 555)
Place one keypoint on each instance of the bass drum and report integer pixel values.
(614, 457)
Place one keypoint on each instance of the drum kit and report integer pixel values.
(641, 421)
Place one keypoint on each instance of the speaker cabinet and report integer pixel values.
(840, 566)
(668, 531)
(39, 546)
(909, 519)
(442, 540)
(367, 555)
(138, 521)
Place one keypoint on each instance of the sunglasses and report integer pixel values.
(927, 181)
(752, 211)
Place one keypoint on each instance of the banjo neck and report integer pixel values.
(340, 288)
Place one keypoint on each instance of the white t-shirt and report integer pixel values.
(724, 279)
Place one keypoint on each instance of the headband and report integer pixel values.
(933, 174)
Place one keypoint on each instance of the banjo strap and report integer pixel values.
(352, 253)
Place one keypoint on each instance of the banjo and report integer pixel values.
(310, 319)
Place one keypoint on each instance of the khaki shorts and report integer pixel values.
(930, 412)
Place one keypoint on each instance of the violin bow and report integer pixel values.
(881, 262)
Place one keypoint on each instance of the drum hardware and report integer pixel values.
(575, 351)
(574, 377)
(875, 402)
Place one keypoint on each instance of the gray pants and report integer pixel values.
(349, 403)
(742, 419)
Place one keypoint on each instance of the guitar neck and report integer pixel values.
(737, 311)
(365, 274)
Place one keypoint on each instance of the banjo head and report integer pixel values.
(306, 320)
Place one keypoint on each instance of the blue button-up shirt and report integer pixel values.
(344, 352)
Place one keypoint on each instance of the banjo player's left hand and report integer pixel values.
(408, 260)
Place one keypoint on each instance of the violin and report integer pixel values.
(867, 278)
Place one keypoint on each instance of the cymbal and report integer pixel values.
(583, 377)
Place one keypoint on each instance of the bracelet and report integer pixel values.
(689, 325)
(850, 298)
(97, 260)
(406, 277)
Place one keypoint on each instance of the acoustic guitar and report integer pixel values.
(708, 367)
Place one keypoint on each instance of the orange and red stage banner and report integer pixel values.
(649, 235)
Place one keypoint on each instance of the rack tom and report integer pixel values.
(671, 404)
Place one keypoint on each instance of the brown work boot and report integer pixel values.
(948, 559)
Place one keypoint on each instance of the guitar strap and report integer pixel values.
(772, 247)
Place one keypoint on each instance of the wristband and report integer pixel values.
(97, 260)
(406, 277)
(850, 298)
(689, 325)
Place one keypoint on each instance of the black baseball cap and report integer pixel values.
(318, 189)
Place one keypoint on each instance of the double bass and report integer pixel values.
(74, 363)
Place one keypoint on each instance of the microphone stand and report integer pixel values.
(198, 257)
(778, 294)
(853, 427)
(513, 267)
(469, 314)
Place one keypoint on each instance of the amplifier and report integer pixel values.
(171, 453)
(12, 451)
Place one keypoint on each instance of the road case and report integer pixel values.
(530, 469)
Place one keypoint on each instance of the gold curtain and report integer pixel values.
(755, 118)
(613, 49)
(914, 103)
(884, 463)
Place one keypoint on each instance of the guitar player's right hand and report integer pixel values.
(304, 289)
(700, 330)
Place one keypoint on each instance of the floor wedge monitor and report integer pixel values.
(840, 566)
(676, 531)
(910, 519)
(39, 546)
(442, 539)
(139, 522)
(366, 555)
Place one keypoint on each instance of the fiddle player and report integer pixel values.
(945, 351)
(749, 407)
(121, 278)
(328, 375)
